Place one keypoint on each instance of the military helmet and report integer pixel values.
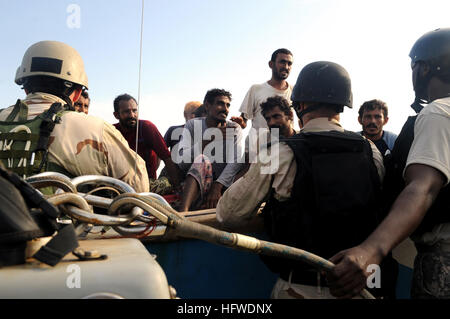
(54, 59)
(323, 82)
(433, 48)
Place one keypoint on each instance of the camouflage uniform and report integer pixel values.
(86, 145)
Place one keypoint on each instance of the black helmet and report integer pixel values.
(323, 82)
(433, 48)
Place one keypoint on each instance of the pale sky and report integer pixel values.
(191, 46)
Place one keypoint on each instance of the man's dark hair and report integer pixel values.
(276, 101)
(124, 97)
(372, 105)
(282, 51)
(212, 94)
(85, 94)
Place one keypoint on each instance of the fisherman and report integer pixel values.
(421, 211)
(373, 115)
(172, 137)
(53, 77)
(151, 145)
(278, 114)
(279, 117)
(280, 64)
(82, 105)
(323, 193)
(188, 113)
(209, 173)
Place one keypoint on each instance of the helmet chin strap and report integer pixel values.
(66, 95)
(417, 104)
(68, 101)
(309, 109)
(302, 113)
(421, 90)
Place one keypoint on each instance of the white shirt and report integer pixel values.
(257, 94)
(431, 145)
(190, 146)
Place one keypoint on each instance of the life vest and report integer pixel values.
(24, 143)
(25, 215)
(394, 183)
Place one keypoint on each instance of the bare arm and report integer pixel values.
(174, 172)
(214, 195)
(241, 120)
(423, 184)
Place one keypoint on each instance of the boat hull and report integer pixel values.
(198, 269)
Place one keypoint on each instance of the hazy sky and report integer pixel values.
(191, 46)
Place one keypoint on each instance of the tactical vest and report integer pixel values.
(334, 203)
(24, 143)
(394, 183)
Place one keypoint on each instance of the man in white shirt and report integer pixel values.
(209, 153)
(280, 64)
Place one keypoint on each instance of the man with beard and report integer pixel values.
(280, 63)
(209, 153)
(82, 105)
(150, 143)
(278, 114)
(373, 115)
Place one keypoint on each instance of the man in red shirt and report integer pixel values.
(151, 144)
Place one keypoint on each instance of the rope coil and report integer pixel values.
(77, 207)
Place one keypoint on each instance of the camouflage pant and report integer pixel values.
(431, 278)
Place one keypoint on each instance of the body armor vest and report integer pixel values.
(334, 203)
